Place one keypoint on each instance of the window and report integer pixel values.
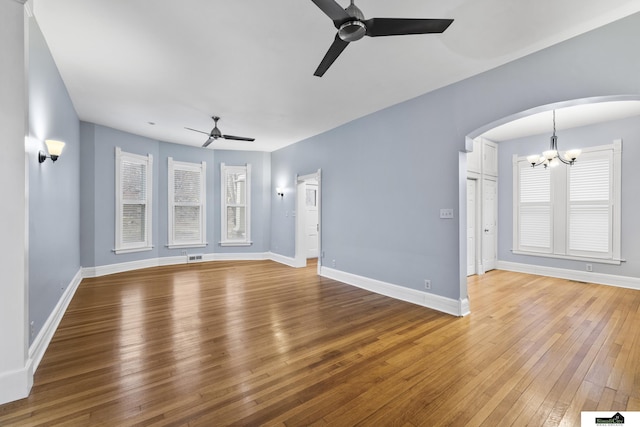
(187, 216)
(133, 202)
(236, 197)
(570, 212)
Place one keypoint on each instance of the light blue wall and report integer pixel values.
(98, 194)
(386, 175)
(54, 189)
(601, 134)
(98, 230)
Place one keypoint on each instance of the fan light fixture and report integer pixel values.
(54, 148)
(552, 157)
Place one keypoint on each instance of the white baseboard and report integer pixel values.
(248, 256)
(42, 340)
(104, 270)
(580, 276)
(291, 262)
(15, 385)
(436, 302)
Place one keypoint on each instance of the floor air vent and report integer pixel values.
(194, 258)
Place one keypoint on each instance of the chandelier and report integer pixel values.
(553, 157)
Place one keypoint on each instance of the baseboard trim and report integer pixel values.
(435, 302)
(580, 276)
(15, 385)
(248, 256)
(291, 262)
(42, 340)
(104, 270)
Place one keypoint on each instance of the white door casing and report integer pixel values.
(471, 226)
(489, 224)
(311, 220)
(301, 252)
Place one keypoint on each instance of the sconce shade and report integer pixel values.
(54, 148)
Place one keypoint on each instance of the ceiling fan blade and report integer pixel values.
(332, 54)
(209, 141)
(238, 138)
(196, 130)
(398, 26)
(333, 10)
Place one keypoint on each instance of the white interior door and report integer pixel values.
(471, 226)
(489, 224)
(311, 223)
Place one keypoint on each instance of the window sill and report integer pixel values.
(236, 243)
(132, 250)
(571, 258)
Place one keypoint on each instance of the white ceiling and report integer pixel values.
(175, 63)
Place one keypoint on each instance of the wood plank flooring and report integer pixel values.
(257, 343)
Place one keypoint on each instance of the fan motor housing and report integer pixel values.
(352, 31)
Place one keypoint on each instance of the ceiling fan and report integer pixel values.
(352, 27)
(215, 134)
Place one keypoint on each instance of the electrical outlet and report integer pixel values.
(184, 253)
(427, 284)
(589, 267)
(33, 328)
(333, 263)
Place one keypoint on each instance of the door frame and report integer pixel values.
(300, 249)
(485, 179)
(477, 226)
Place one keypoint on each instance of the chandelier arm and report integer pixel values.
(541, 162)
(566, 162)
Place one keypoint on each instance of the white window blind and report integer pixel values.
(133, 202)
(570, 211)
(236, 185)
(590, 203)
(535, 210)
(187, 195)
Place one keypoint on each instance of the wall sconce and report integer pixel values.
(279, 191)
(54, 148)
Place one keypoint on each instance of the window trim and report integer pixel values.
(172, 165)
(560, 210)
(147, 245)
(224, 170)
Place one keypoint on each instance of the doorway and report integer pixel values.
(308, 219)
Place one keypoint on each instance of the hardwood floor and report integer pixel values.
(258, 343)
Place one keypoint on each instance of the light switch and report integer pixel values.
(446, 213)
